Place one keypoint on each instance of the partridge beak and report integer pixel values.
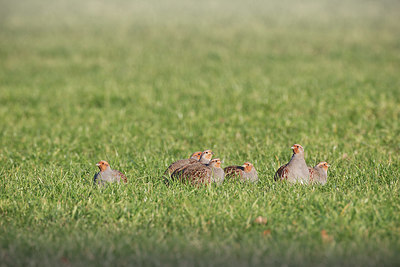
(328, 165)
(292, 147)
(97, 164)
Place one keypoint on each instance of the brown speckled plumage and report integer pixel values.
(199, 173)
(281, 173)
(233, 171)
(246, 172)
(195, 157)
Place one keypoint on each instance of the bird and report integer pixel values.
(195, 157)
(246, 172)
(107, 175)
(203, 173)
(217, 173)
(296, 169)
(319, 173)
(205, 158)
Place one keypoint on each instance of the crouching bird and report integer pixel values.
(195, 157)
(246, 172)
(199, 173)
(107, 175)
(319, 173)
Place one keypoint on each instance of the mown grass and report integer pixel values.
(142, 84)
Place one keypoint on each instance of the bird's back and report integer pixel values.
(233, 171)
(118, 176)
(193, 173)
(178, 165)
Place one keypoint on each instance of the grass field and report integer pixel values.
(141, 84)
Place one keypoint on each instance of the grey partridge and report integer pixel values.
(107, 175)
(319, 173)
(296, 169)
(205, 158)
(202, 173)
(246, 172)
(195, 157)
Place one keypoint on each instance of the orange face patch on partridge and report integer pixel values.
(196, 155)
(102, 165)
(206, 156)
(297, 149)
(247, 166)
(107, 175)
(324, 165)
(216, 163)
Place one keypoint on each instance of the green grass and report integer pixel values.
(141, 84)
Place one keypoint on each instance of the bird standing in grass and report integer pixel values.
(246, 172)
(107, 175)
(195, 157)
(319, 173)
(296, 169)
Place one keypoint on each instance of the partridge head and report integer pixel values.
(196, 155)
(247, 166)
(103, 165)
(323, 165)
(297, 149)
(206, 156)
(216, 163)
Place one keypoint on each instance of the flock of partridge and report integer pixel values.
(201, 168)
